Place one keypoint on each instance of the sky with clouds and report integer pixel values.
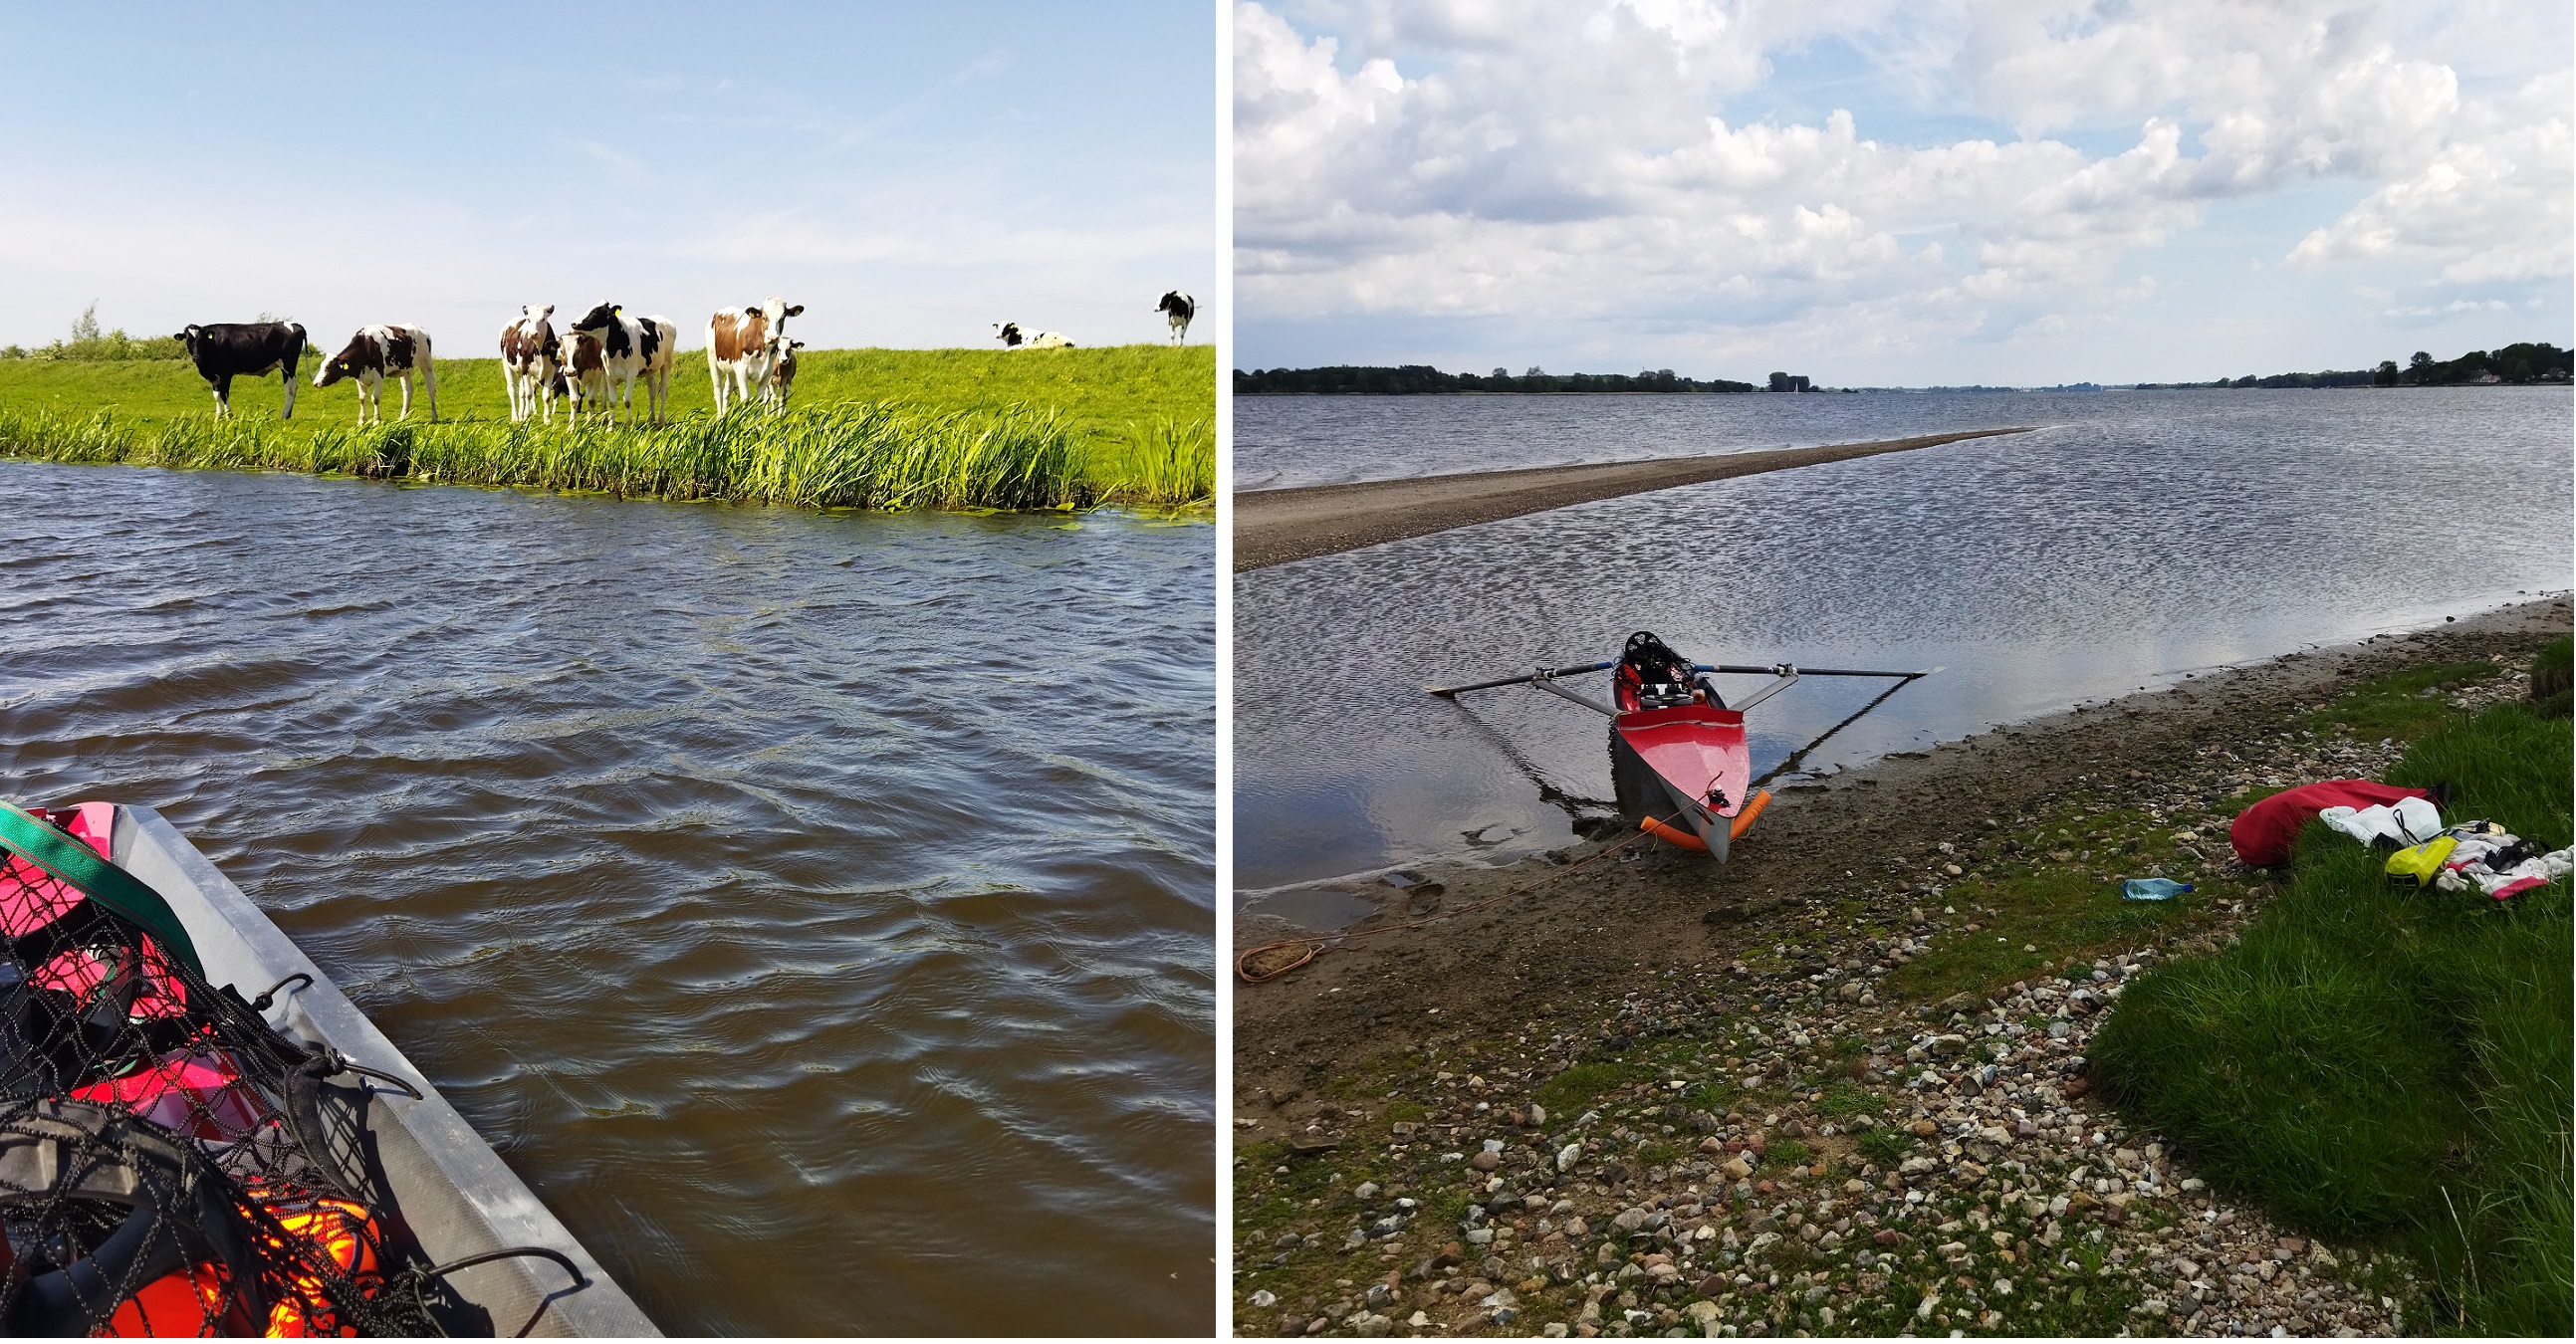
(1900, 192)
(911, 173)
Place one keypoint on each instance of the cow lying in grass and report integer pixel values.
(376, 353)
(1009, 334)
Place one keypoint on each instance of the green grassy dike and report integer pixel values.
(2379, 1062)
(876, 429)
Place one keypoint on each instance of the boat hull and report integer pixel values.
(451, 1194)
(1665, 763)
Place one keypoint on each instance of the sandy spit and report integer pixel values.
(1273, 527)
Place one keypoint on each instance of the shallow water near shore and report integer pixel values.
(815, 910)
(2134, 540)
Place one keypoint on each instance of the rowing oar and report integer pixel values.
(1543, 674)
(1534, 675)
(1809, 671)
(1798, 757)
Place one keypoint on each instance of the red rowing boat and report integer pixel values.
(1679, 763)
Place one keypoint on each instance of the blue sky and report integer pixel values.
(911, 173)
(1900, 193)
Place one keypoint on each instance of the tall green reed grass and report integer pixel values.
(880, 455)
(1166, 463)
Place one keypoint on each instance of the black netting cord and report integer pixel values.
(169, 1164)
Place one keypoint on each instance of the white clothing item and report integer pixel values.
(2411, 822)
(2418, 820)
(2547, 867)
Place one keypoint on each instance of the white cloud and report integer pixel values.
(1576, 164)
(2493, 206)
(2279, 89)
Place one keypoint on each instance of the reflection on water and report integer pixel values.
(2137, 537)
(1324, 908)
(814, 910)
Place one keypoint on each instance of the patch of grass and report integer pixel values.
(1790, 1151)
(2064, 914)
(1569, 1092)
(1843, 1100)
(2398, 706)
(2377, 1060)
(1283, 1201)
(1706, 1097)
(2550, 676)
(1884, 1146)
(1344, 1087)
(872, 429)
(1407, 1110)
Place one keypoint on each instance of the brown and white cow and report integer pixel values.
(529, 353)
(743, 344)
(632, 348)
(394, 350)
(581, 376)
(782, 375)
(223, 351)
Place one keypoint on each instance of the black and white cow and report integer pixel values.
(743, 346)
(529, 353)
(632, 348)
(376, 353)
(223, 351)
(1009, 335)
(1178, 308)
(782, 373)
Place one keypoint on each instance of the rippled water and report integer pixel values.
(815, 910)
(2136, 538)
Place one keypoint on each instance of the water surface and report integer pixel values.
(815, 910)
(2135, 538)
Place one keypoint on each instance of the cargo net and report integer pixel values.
(169, 1165)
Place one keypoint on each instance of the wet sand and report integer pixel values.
(1273, 527)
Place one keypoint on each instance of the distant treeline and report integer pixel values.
(1411, 379)
(2529, 362)
(2525, 363)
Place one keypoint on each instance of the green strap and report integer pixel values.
(103, 882)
